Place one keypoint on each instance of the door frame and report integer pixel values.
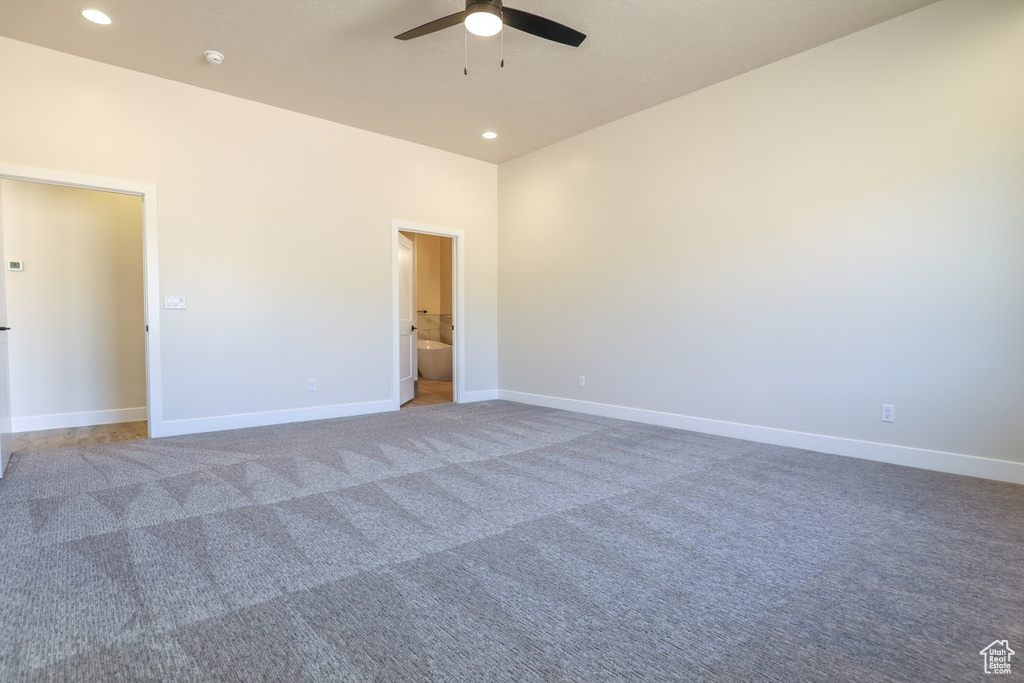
(458, 238)
(150, 266)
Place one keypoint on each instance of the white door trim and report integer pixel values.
(150, 266)
(458, 238)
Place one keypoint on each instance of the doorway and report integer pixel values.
(76, 279)
(429, 304)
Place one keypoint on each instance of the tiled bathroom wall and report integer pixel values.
(435, 327)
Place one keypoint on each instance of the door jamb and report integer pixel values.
(150, 266)
(458, 238)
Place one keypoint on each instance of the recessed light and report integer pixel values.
(490, 135)
(96, 16)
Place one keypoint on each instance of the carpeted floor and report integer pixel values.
(498, 542)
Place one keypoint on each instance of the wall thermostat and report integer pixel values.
(15, 265)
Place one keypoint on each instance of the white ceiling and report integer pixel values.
(337, 59)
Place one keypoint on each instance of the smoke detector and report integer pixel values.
(213, 57)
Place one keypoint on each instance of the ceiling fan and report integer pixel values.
(486, 18)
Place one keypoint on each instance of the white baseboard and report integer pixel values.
(32, 423)
(220, 423)
(940, 461)
(476, 396)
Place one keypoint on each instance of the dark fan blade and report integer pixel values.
(541, 27)
(436, 25)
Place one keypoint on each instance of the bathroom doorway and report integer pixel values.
(432, 334)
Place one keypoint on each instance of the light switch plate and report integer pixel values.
(175, 302)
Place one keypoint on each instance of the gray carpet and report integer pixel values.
(498, 542)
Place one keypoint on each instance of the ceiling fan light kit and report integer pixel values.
(488, 17)
(483, 19)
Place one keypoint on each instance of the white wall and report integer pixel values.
(77, 350)
(793, 247)
(276, 227)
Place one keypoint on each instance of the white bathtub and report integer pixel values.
(435, 359)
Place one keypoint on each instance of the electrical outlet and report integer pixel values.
(582, 381)
(312, 385)
(888, 413)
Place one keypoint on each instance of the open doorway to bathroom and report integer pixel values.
(433, 319)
